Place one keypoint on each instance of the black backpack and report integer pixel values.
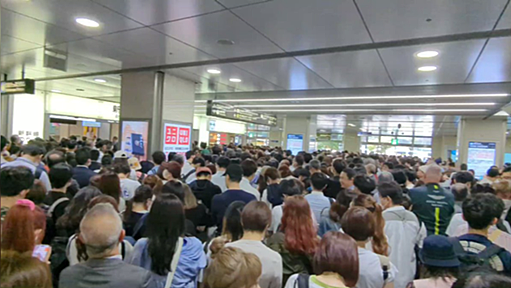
(476, 263)
(58, 258)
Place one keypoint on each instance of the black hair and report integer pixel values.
(223, 162)
(399, 177)
(339, 165)
(407, 201)
(106, 160)
(60, 175)
(459, 194)
(463, 177)
(364, 183)
(483, 280)
(142, 194)
(176, 188)
(244, 156)
(33, 150)
(200, 161)
(165, 224)
(82, 155)
(232, 220)
(3, 142)
(360, 169)
(440, 272)
(249, 167)
(299, 160)
(389, 164)
(189, 154)
(13, 180)
(77, 208)
(350, 173)
(122, 168)
(307, 157)
(302, 172)
(291, 187)
(315, 164)
(71, 144)
(235, 172)
(176, 157)
(391, 190)
(54, 157)
(94, 155)
(318, 181)
(464, 167)
(493, 172)
(481, 209)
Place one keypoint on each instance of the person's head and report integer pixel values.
(232, 268)
(249, 168)
(94, 155)
(338, 165)
(158, 157)
(298, 161)
(391, 194)
(165, 224)
(318, 181)
(271, 176)
(143, 195)
(411, 176)
(298, 227)
(493, 173)
(463, 167)
(256, 217)
(23, 227)
(233, 174)
(21, 270)
(33, 152)
(385, 177)
(506, 173)
(122, 169)
(400, 177)
(503, 191)
(198, 162)
(340, 206)
(387, 166)
(482, 210)
(83, 156)
(364, 184)
(54, 157)
(371, 169)
(37, 193)
(101, 231)
(60, 176)
(15, 181)
(203, 173)
(190, 201)
(106, 160)
(169, 171)
(314, 166)
(358, 222)
(379, 241)
(177, 158)
(110, 185)
(77, 208)
(347, 177)
(433, 175)
(103, 199)
(460, 191)
(291, 187)
(222, 163)
(464, 177)
(337, 253)
(232, 229)
(176, 188)
(154, 182)
(439, 258)
(483, 280)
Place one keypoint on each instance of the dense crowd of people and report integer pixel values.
(80, 213)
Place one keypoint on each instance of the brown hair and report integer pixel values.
(256, 216)
(379, 242)
(20, 270)
(300, 233)
(111, 185)
(37, 193)
(172, 167)
(190, 199)
(19, 226)
(233, 268)
(338, 253)
(502, 188)
(154, 182)
(103, 199)
(266, 174)
(284, 171)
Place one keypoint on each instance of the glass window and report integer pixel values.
(373, 139)
(405, 140)
(422, 141)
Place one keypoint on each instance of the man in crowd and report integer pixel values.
(297, 163)
(15, 182)
(197, 162)
(219, 178)
(31, 158)
(82, 173)
(203, 189)
(346, 179)
(317, 200)
(158, 158)
(101, 232)
(491, 176)
(249, 167)
(58, 199)
(128, 186)
(314, 166)
(94, 157)
(334, 185)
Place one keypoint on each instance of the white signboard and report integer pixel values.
(481, 156)
(177, 138)
(295, 143)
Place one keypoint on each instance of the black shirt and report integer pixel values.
(60, 209)
(333, 187)
(129, 225)
(204, 191)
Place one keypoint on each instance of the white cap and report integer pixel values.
(122, 154)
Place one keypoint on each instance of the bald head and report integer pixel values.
(433, 174)
(100, 231)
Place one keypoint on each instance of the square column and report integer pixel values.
(304, 126)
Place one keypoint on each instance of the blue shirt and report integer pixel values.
(20, 161)
(220, 203)
(318, 201)
(479, 243)
(153, 170)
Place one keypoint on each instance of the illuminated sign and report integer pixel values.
(230, 112)
(23, 86)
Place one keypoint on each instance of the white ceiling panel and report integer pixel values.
(64, 12)
(349, 69)
(285, 72)
(159, 49)
(13, 45)
(237, 3)
(505, 21)
(151, 12)
(32, 30)
(494, 65)
(204, 32)
(402, 19)
(454, 62)
(308, 24)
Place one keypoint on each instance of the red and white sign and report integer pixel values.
(177, 138)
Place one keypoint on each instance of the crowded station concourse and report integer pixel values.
(255, 144)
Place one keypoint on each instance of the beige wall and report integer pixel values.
(441, 144)
(351, 141)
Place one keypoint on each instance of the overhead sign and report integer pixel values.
(230, 112)
(177, 138)
(23, 86)
(481, 156)
(294, 143)
(394, 141)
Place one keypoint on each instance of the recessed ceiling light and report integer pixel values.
(225, 42)
(87, 22)
(100, 80)
(80, 89)
(236, 80)
(427, 54)
(427, 68)
(214, 71)
(352, 125)
(55, 91)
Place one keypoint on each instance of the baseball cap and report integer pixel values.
(121, 154)
(203, 170)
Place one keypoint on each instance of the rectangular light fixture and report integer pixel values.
(366, 105)
(372, 110)
(352, 125)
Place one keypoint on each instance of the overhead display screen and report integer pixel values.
(481, 156)
(230, 112)
(294, 143)
(177, 138)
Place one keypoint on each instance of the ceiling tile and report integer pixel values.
(13, 45)
(454, 62)
(32, 30)
(237, 3)
(349, 69)
(204, 31)
(159, 49)
(505, 21)
(285, 72)
(64, 12)
(494, 65)
(447, 17)
(151, 12)
(310, 24)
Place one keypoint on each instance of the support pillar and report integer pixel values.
(304, 126)
(351, 140)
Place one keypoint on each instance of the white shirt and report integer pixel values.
(371, 273)
(187, 167)
(247, 187)
(219, 180)
(128, 188)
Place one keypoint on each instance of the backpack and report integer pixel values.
(53, 206)
(58, 259)
(480, 262)
(302, 281)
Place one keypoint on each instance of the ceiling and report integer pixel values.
(280, 49)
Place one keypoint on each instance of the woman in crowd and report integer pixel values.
(154, 182)
(331, 218)
(110, 185)
(69, 223)
(269, 185)
(169, 171)
(137, 207)
(288, 187)
(379, 242)
(233, 268)
(376, 271)
(296, 239)
(165, 230)
(21, 270)
(197, 213)
(24, 227)
(335, 263)
(440, 264)
(285, 172)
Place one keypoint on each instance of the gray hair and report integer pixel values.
(315, 164)
(385, 177)
(100, 230)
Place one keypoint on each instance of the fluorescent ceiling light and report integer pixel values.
(100, 80)
(372, 110)
(87, 22)
(235, 80)
(366, 105)
(427, 68)
(427, 54)
(377, 97)
(214, 71)
(72, 118)
(55, 91)
(352, 125)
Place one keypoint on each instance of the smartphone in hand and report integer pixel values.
(42, 252)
